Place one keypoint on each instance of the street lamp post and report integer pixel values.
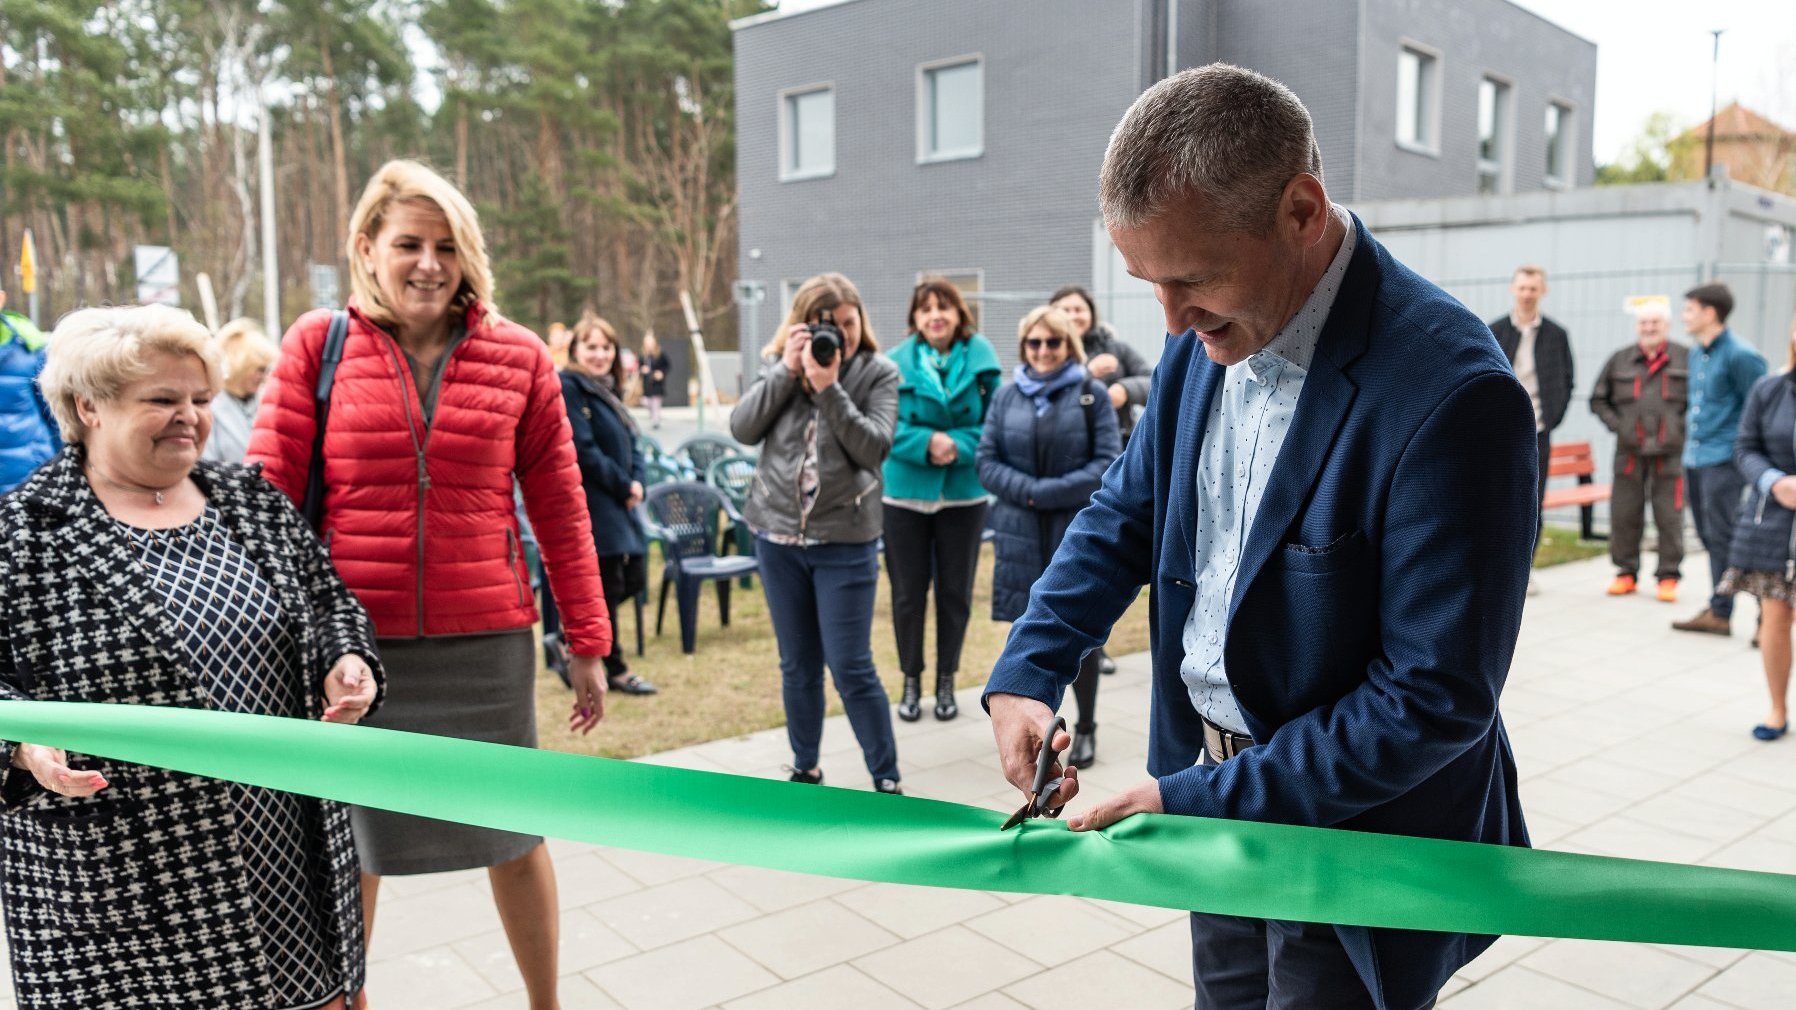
(1708, 154)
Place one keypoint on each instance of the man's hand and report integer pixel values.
(942, 450)
(1017, 723)
(1143, 798)
(1784, 490)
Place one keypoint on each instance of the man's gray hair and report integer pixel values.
(1223, 133)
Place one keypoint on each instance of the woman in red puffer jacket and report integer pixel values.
(438, 406)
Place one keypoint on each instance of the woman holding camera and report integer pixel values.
(822, 413)
(1048, 440)
(935, 507)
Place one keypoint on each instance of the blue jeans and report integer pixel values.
(821, 602)
(1714, 508)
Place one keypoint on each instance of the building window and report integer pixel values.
(808, 133)
(970, 282)
(789, 290)
(951, 110)
(1493, 133)
(1418, 99)
(1559, 148)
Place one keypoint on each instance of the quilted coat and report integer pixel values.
(418, 516)
(137, 896)
(27, 431)
(1043, 471)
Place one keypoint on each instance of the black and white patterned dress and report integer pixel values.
(229, 623)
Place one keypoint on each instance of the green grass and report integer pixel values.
(1560, 544)
(731, 685)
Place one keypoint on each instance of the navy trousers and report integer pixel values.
(1714, 508)
(1262, 964)
(821, 602)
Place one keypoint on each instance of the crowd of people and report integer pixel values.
(368, 566)
(1699, 423)
(1296, 494)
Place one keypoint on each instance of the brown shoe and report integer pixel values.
(1707, 622)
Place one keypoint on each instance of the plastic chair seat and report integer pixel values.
(728, 566)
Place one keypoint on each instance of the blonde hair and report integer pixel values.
(245, 347)
(824, 291)
(1057, 323)
(402, 181)
(95, 353)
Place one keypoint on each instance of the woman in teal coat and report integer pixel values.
(934, 505)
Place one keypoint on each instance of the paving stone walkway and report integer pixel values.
(1631, 739)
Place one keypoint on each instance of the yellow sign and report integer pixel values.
(28, 263)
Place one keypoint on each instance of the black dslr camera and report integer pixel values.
(826, 339)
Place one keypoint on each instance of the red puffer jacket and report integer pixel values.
(419, 518)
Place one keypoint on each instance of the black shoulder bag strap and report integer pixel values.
(313, 504)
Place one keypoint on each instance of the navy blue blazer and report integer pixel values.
(1378, 601)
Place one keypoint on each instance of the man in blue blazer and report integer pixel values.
(1331, 498)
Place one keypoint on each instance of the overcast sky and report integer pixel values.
(1654, 55)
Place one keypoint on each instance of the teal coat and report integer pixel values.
(954, 404)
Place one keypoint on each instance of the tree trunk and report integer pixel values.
(340, 164)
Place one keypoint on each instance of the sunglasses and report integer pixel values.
(1044, 343)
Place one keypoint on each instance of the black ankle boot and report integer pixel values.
(1084, 751)
(945, 708)
(909, 706)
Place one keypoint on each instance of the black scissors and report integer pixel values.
(1043, 789)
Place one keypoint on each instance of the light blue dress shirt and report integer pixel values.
(1249, 418)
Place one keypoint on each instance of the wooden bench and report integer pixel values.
(1574, 459)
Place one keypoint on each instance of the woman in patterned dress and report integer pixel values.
(137, 574)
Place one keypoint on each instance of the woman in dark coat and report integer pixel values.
(1048, 440)
(1762, 559)
(653, 366)
(611, 471)
(138, 574)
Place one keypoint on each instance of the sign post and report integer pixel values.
(158, 275)
(325, 292)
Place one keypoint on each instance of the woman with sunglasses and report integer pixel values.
(1048, 439)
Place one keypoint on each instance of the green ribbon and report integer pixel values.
(1271, 871)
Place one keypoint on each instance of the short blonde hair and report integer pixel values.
(1057, 323)
(245, 347)
(402, 181)
(95, 353)
(824, 291)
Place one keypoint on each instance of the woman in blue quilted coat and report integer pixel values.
(1048, 439)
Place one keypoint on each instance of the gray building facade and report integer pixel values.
(887, 139)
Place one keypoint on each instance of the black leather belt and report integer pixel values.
(1220, 744)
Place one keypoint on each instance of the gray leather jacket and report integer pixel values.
(855, 420)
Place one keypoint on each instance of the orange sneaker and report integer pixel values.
(1622, 586)
(1668, 590)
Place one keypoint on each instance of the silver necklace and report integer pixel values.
(156, 493)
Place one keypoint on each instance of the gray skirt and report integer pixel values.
(476, 687)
